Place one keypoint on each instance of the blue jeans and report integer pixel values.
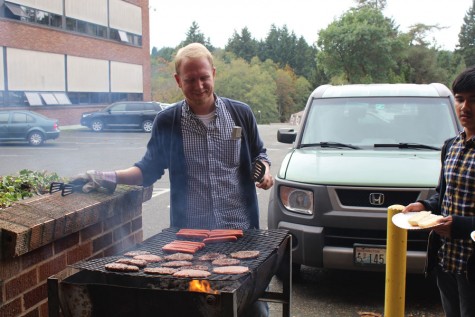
(456, 293)
(257, 309)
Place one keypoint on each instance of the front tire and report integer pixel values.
(97, 125)
(36, 138)
(147, 126)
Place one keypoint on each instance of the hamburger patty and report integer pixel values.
(129, 261)
(231, 270)
(177, 264)
(210, 256)
(192, 273)
(160, 270)
(194, 267)
(121, 267)
(151, 258)
(225, 262)
(136, 252)
(179, 257)
(245, 255)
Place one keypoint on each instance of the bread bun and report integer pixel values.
(429, 221)
(413, 221)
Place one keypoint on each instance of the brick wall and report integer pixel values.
(98, 225)
(45, 39)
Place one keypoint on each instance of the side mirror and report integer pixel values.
(286, 135)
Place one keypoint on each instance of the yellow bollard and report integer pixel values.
(396, 250)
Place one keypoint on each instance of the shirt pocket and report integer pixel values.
(229, 151)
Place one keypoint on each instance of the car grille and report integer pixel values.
(361, 197)
(416, 239)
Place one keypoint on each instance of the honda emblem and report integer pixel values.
(376, 199)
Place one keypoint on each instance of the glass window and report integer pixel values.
(62, 98)
(33, 98)
(4, 117)
(19, 118)
(70, 24)
(42, 17)
(119, 107)
(114, 35)
(123, 36)
(367, 121)
(91, 29)
(16, 98)
(16, 11)
(56, 20)
(101, 31)
(31, 14)
(49, 99)
(30, 119)
(81, 26)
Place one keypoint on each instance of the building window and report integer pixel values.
(15, 99)
(33, 98)
(62, 98)
(123, 36)
(32, 15)
(15, 12)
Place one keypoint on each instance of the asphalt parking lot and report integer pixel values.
(323, 293)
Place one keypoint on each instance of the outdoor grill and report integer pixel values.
(87, 289)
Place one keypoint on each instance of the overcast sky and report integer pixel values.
(218, 19)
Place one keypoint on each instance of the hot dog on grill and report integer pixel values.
(173, 249)
(220, 239)
(191, 235)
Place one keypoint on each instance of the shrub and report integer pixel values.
(26, 184)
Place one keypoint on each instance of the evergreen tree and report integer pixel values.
(154, 51)
(242, 45)
(194, 35)
(466, 45)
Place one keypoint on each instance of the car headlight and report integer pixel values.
(86, 115)
(297, 200)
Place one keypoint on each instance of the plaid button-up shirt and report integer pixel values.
(459, 199)
(212, 158)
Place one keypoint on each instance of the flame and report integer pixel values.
(202, 286)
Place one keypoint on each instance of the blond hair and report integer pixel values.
(193, 50)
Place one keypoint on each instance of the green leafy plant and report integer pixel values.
(26, 184)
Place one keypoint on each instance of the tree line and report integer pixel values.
(276, 75)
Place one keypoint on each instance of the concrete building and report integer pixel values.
(58, 55)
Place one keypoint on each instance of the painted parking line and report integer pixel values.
(159, 191)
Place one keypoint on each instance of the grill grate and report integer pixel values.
(265, 241)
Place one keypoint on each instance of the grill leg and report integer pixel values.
(53, 297)
(285, 269)
(229, 300)
(287, 278)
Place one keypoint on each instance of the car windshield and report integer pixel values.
(373, 121)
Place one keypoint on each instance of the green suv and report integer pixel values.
(358, 150)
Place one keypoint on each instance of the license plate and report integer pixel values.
(369, 255)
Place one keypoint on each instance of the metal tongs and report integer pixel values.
(66, 188)
(258, 171)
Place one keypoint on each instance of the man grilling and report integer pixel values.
(209, 145)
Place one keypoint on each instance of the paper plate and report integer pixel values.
(401, 220)
(473, 235)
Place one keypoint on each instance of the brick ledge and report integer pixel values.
(36, 222)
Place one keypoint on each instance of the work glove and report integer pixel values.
(96, 180)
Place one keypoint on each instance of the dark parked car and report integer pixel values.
(18, 125)
(358, 150)
(123, 115)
